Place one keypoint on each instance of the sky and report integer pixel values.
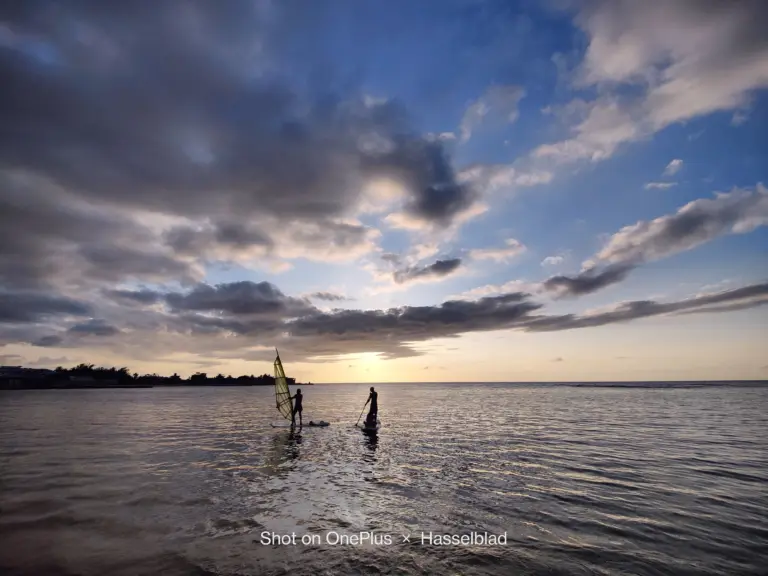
(453, 190)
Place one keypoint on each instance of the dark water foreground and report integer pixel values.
(581, 480)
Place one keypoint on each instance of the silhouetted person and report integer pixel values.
(297, 407)
(373, 398)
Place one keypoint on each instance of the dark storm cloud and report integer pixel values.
(438, 269)
(588, 281)
(27, 307)
(169, 107)
(93, 328)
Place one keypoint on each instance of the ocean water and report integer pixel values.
(581, 480)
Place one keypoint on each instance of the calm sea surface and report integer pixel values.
(582, 480)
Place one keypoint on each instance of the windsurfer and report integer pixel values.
(373, 398)
(297, 407)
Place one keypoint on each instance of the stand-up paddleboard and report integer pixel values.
(367, 428)
(318, 424)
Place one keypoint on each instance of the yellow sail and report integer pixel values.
(282, 393)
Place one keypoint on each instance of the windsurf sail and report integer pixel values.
(282, 393)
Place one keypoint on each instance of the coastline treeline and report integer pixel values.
(91, 376)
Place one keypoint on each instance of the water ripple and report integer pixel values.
(583, 480)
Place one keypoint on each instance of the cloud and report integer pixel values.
(513, 249)
(93, 328)
(328, 297)
(416, 323)
(696, 223)
(588, 281)
(673, 167)
(48, 362)
(660, 185)
(435, 271)
(497, 289)
(246, 322)
(729, 300)
(661, 63)
(146, 161)
(27, 307)
(392, 272)
(240, 299)
(143, 296)
(10, 360)
(446, 136)
(739, 117)
(403, 220)
(607, 122)
(490, 177)
(499, 103)
(553, 260)
(49, 237)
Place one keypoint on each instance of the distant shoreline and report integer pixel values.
(679, 384)
(69, 386)
(102, 386)
(87, 376)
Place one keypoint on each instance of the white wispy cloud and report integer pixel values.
(673, 167)
(496, 289)
(660, 185)
(512, 249)
(693, 225)
(552, 260)
(498, 102)
(696, 223)
(686, 59)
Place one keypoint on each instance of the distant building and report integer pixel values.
(21, 372)
(18, 376)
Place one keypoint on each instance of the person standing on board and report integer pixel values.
(296, 407)
(373, 398)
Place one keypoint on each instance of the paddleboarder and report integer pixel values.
(373, 398)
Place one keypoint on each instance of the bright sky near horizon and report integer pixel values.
(453, 190)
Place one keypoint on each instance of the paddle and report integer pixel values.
(361, 414)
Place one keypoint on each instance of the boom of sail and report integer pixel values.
(282, 393)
